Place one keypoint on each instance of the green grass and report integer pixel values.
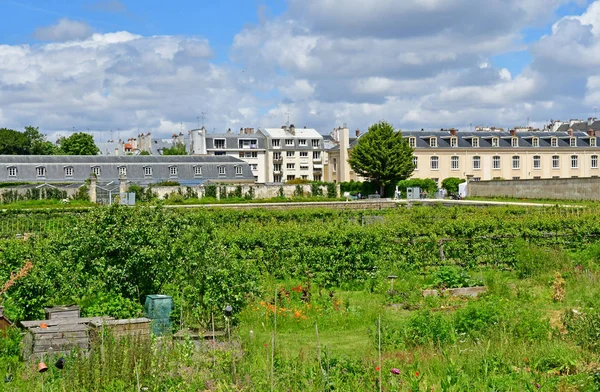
(49, 204)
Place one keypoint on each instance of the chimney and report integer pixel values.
(292, 129)
(590, 132)
(116, 151)
(357, 132)
(453, 132)
(513, 132)
(241, 131)
(570, 132)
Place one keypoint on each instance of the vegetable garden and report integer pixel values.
(313, 306)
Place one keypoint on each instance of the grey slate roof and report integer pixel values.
(82, 166)
(231, 140)
(504, 139)
(579, 126)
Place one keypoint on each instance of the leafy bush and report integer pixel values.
(315, 190)
(113, 305)
(331, 190)
(584, 327)
(531, 260)
(451, 277)
(426, 185)
(450, 184)
(210, 191)
(280, 192)
(298, 192)
(250, 194)
(167, 183)
(478, 316)
(427, 327)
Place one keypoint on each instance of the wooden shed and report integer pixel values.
(4, 321)
(62, 312)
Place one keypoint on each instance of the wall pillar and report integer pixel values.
(92, 190)
(123, 184)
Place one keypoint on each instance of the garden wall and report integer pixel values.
(261, 191)
(558, 188)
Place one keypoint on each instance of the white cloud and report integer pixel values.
(64, 30)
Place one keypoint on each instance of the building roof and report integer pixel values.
(120, 159)
(301, 133)
(525, 139)
(231, 140)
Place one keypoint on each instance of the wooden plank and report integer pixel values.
(62, 328)
(82, 320)
(59, 335)
(60, 342)
(110, 322)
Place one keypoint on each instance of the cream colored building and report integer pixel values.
(490, 155)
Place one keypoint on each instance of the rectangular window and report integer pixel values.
(277, 167)
(290, 166)
(275, 143)
(173, 171)
(40, 171)
(496, 162)
(219, 143)
(574, 161)
(594, 161)
(334, 165)
(220, 153)
(221, 170)
(239, 171)
(276, 156)
(516, 178)
(476, 179)
(68, 171)
(537, 162)
(412, 142)
(454, 163)
(516, 162)
(453, 142)
(12, 171)
(96, 171)
(554, 142)
(592, 142)
(289, 142)
(290, 154)
(316, 143)
(555, 161)
(514, 142)
(476, 163)
(535, 142)
(248, 143)
(434, 163)
(291, 177)
(303, 154)
(303, 167)
(316, 155)
(433, 142)
(475, 142)
(277, 178)
(305, 177)
(253, 166)
(494, 142)
(416, 162)
(147, 171)
(122, 171)
(573, 142)
(197, 171)
(302, 142)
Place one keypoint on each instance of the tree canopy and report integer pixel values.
(450, 184)
(29, 142)
(382, 155)
(177, 149)
(78, 144)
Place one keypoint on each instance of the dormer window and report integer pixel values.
(96, 171)
(122, 171)
(453, 142)
(412, 142)
(197, 171)
(592, 142)
(514, 142)
(475, 142)
(433, 142)
(147, 171)
(221, 171)
(535, 142)
(495, 142)
(12, 171)
(573, 142)
(69, 171)
(554, 142)
(40, 171)
(239, 171)
(173, 171)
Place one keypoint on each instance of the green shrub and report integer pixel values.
(113, 305)
(315, 190)
(210, 191)
(451, 277)
(280, 192)
(427, 185)
(298, 192)
(478, 316)
(250, 194)
(331, 190)
(427, 327)
(450, 184)
(584, 327)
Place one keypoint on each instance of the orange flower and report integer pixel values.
(377, 368)
(417, 374)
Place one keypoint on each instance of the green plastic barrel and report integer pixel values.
(158, 308)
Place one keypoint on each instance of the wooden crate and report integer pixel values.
(4, 321)
(137, 327)
(39, 342)
(61, 312)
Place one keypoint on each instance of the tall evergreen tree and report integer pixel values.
(383, 156)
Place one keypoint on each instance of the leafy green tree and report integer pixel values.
(383, 156)
(426, 185)
(177, 149)
(78, 144)
(450, 184)
(13, 142)
(38, 145)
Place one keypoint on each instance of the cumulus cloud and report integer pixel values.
(64, 30)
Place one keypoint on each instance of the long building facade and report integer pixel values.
(483, 156)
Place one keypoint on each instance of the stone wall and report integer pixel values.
(261, 191)
(559, 188)
(23, 191)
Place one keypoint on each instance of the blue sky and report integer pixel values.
(153, 65)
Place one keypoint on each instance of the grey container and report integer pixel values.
(158, 308)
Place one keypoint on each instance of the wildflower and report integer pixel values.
(538, 386)
(417, 374)
(378, 368)
(395, 371)
(266, 344)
